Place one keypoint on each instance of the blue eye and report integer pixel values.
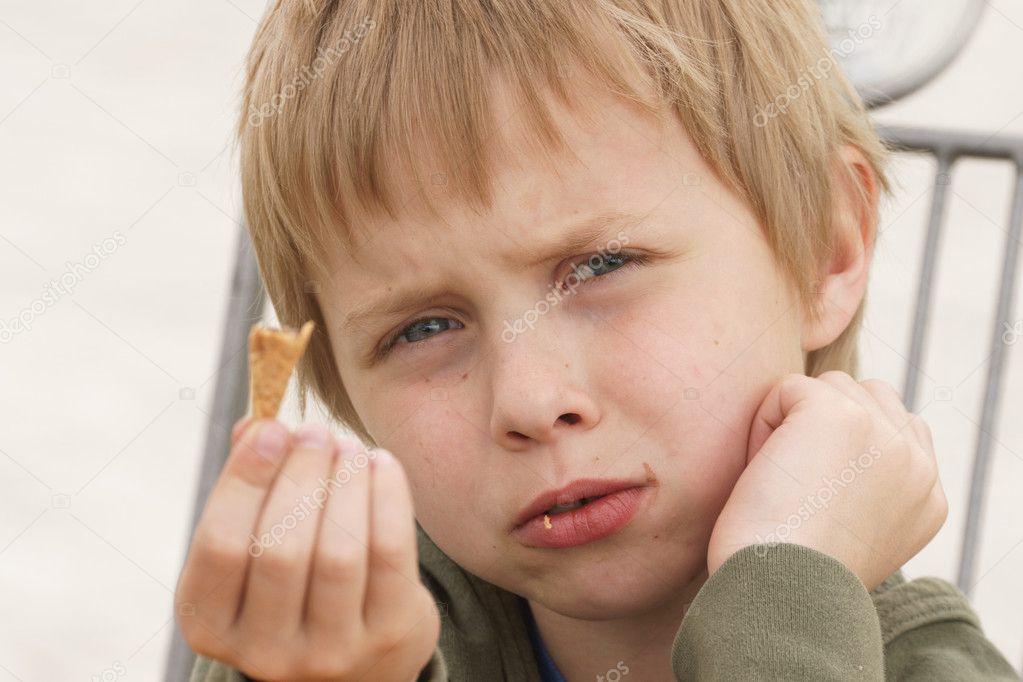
(594, 267)
(599, 265)
(421, 329)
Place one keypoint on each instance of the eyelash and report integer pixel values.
(631, 260)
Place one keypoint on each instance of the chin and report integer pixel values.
(610, 582)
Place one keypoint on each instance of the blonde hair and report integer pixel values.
(341, 97)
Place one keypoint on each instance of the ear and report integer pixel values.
(843, 282)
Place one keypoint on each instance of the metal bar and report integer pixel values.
(230, 402)
(954, 143)
(992, 393)
(925, 288)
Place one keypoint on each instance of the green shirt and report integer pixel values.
(783, 612)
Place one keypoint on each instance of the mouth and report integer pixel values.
(575, 495)
(576, 520)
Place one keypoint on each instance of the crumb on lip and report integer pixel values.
(650, 478)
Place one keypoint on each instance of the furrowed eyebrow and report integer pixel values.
(592, 232)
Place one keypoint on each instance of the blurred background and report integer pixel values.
(119, 215)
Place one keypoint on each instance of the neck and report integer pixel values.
(604, 650)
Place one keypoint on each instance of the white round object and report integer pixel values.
(889, 48)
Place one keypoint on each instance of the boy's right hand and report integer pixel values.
(855, 441)
(294, 576)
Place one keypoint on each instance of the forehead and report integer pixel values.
(612, 147)
(616, 157)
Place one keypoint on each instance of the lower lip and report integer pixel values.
(598, 519)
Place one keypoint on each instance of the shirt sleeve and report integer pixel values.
(209, 670)
(930, 632)
(786, 611)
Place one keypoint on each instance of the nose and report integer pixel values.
(539, 392)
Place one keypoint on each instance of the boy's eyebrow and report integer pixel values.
(583, 234)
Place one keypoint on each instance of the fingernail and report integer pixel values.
(312, 436)
(271, 440)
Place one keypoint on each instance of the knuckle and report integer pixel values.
(794, 379)
(341, 566)
(332, 653)
(923, 469)
(879, 386)
(279, 563)
(316, 452)
(390, 548)
(833, 375)
(251, 467)
(794, 383)
(835, 378)
(924, 428)
(851, 413)
(215, 546)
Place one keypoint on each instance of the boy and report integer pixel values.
(603, 311)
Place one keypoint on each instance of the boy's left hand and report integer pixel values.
(838, 466)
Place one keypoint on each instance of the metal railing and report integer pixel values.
(947, 147)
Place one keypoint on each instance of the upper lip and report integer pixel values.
(583, 487)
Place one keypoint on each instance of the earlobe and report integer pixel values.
(842, 284)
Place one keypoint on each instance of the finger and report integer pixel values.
(393, 570)
(891, 402)
(214, 575)
(239, 428)
(337, 587)
(855, 391)
(286, 533)
(923, 430)
(782, 399)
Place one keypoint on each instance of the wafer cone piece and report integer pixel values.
(273, 354)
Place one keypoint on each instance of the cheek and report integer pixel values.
(689, 374)
(669, 379)
(658, 355)
(435, 444)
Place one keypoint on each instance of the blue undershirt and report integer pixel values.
(548, 670)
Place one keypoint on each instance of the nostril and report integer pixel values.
(570, 418)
